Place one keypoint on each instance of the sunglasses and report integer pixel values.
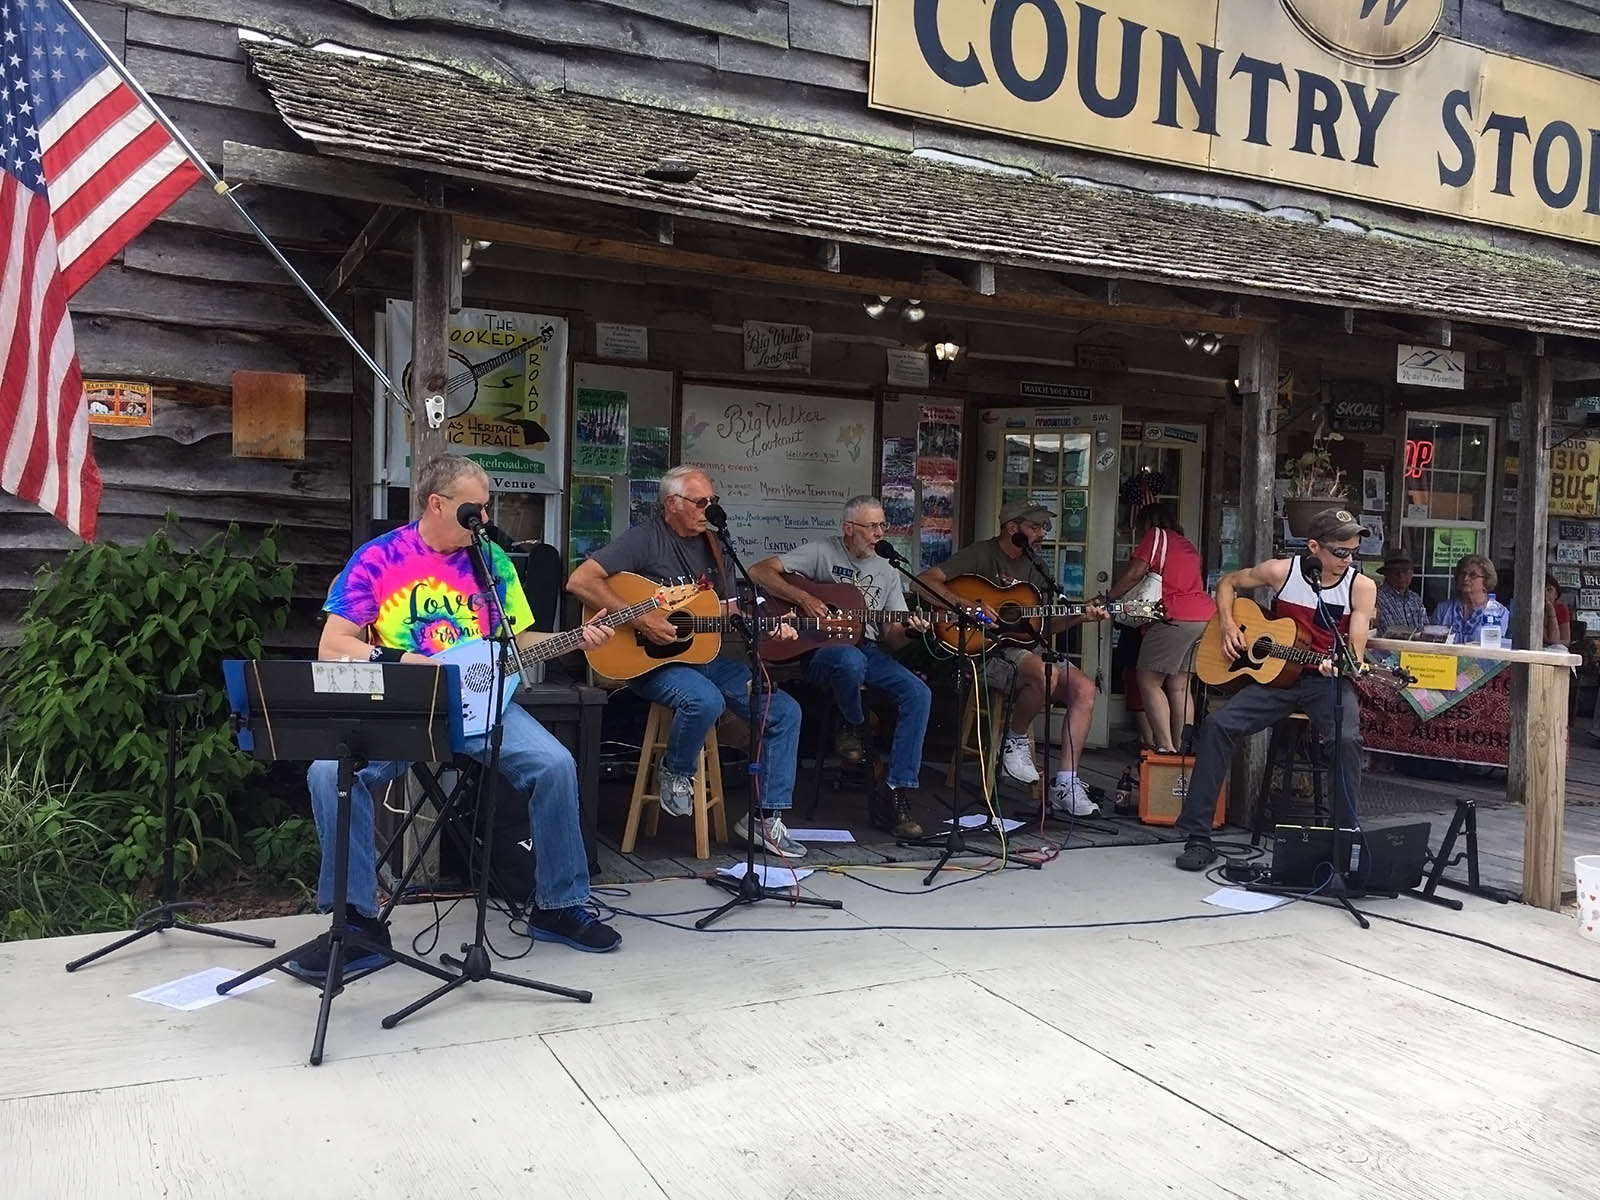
(1342, 553)
(702, 502)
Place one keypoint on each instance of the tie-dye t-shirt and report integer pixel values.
(419, 599)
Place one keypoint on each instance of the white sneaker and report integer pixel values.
(1016, 760)
(676, 792)
(1072, 798)
(770, 835)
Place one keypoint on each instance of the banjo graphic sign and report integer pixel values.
(505, 400)
(1361, 98)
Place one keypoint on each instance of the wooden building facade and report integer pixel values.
(377, 142)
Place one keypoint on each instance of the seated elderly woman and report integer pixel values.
(1475, 578)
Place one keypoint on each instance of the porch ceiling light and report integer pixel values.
(1190, 340)
(946, 351)
(876, 306)
(1211, 343)
(913, 311)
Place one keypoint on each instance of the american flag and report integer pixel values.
(84, 166)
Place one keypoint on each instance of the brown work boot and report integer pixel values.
(891, 811)
(851, 744)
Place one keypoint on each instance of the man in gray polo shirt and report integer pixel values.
(850, 558)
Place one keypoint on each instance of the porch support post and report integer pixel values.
(1258, 454)
(433, 258)
(1538, 767)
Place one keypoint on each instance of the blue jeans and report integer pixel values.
(698, 696)
(846, 668)
(531, 760)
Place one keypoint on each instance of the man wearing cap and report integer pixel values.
(1398, 606)
(1321, 591)
(1019, 671)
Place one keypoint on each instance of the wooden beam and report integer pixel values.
(437, 253)
(1349, 315)
(369, 239)
(1537, 770)
(929, 292)
(1113, 292)
(829, 257)
(325, 176)
(1258, 453)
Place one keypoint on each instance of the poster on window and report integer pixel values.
(505, 397)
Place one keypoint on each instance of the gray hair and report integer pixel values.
(854, 505)
(672, 482)
(439, 474)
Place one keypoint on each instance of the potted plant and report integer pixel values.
(1314, 482)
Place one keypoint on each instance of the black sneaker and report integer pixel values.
(890, 811)
(1197, 856)
(576, 927)
(313, 964)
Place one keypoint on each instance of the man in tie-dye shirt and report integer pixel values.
(408, 595)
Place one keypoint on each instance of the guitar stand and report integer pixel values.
(1466, 818)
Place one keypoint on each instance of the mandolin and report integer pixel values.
(1277, 655)
(1017, 614)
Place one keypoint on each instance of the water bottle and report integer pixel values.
(1494, 623)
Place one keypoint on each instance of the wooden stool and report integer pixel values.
(707, 786)
(1292, 751)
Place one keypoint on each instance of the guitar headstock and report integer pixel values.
(1143, 610)
(671, 596)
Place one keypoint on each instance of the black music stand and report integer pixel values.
(164, 915)
(297, 711)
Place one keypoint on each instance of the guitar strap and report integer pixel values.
(724, 579)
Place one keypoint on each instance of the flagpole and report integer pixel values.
(223, 188)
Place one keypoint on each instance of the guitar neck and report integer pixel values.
(569, 640)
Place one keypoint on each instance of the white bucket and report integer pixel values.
(1587, 870)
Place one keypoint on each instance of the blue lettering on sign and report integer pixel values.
(1338, 119)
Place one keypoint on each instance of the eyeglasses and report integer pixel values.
(1473, 575)
(876, 526)
(701, 503)
(1342, 553)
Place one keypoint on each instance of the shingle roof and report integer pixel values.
(819, 187)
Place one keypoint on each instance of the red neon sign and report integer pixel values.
(1419, 457)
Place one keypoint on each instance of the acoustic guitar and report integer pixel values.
(1018, 614)
(700, 626)
(845, 625)
(1277, 654)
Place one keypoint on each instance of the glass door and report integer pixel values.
(1445, 513)
(1065, 459)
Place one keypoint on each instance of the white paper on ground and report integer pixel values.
(975, 820)
(773, 877)
(1242, 901)
(198, 990)
(821, 835)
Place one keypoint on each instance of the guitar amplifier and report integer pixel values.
(1164, 782)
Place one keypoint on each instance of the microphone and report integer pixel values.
(885, 550)
(1020, 541)
(717, 517)
(470, 516)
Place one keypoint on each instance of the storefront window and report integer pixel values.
(1446, 495)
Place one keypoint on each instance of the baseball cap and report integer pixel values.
(1335, 524)
(1025, 510)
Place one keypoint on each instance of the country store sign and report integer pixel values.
(1359, 97)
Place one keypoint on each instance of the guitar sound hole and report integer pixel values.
(1009, 614)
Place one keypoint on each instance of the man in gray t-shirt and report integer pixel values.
(677, 544)
(1019, 671)
(850, 558)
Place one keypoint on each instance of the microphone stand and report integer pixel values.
(474, 966)
(953, 842)
(1337, 888)
(1048, 652)
(748, 889)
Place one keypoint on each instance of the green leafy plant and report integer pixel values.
(287, 850)
(55, 873)
(1313, 474)
(107, 632)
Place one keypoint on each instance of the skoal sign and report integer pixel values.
(1358, 97)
